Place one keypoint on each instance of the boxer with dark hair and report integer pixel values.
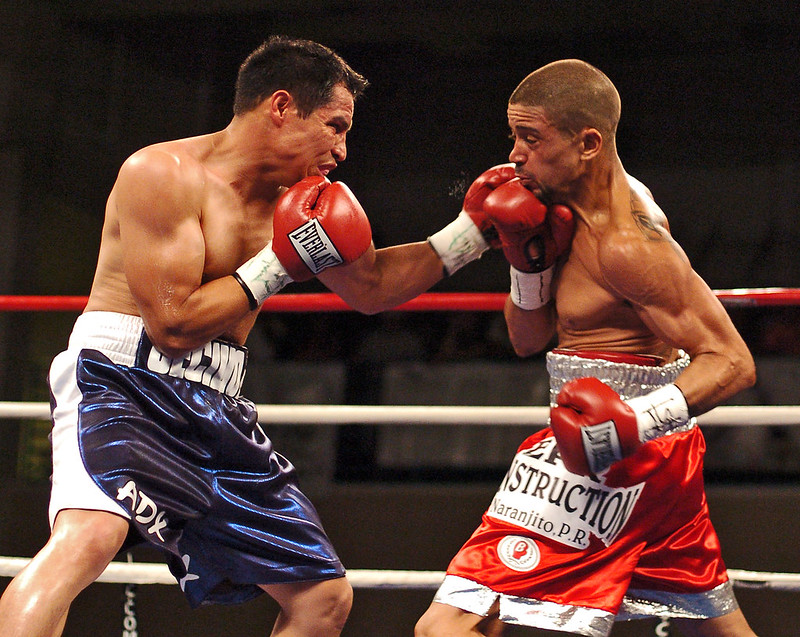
(151, 438)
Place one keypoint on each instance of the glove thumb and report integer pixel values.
(562, 227)
(304, 194)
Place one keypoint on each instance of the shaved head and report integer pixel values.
(574, 95)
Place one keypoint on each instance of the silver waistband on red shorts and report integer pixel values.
(627, 379)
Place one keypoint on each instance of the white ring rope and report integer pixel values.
(142, 573)
(738, 416)
(128, 573)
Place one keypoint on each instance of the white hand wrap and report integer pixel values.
(262, 276)
(458, 243)
(531, 290)
(660, 412)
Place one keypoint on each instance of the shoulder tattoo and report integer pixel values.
(648, 226)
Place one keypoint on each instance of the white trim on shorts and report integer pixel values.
(644, 603)
(478, 599)
(117, 336)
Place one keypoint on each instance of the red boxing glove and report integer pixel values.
(318, 224)
(471, 233)
(526, 225)
(481, 188)
(593, 426)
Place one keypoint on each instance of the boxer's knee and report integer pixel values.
(426, 626)
(441, 620)
(733, 624)
(89, 539)
(335, 599)
(317, 608)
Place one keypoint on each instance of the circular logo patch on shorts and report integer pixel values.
(518, 553)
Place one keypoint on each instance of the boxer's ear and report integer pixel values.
(591, 141)
(280, 104)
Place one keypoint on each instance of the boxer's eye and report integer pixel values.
(527, 139)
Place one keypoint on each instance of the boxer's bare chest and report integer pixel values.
(233, 229)
(590, 314)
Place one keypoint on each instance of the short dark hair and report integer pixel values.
(309, 71)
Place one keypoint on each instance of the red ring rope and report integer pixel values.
(429, 302)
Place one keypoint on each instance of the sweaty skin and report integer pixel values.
(167, 249)
(181, 218)
(626, 285)
(594, 312)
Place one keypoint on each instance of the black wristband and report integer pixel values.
(250, 298)
(445, 273)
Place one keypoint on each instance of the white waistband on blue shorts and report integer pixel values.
(115, 335)
(218, 364)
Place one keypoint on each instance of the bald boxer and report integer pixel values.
(152, 440)
(602, 516)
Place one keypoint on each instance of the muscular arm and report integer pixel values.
(382, 279)
(157, 204)
(650, 271)
(530, 331)
(367, 279)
